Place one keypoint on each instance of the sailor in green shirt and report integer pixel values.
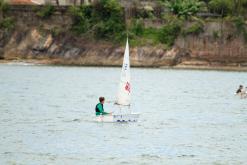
(99, 109)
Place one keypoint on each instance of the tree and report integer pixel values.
(184, 8)
(222, 7)
(239, 6)
(103, 20)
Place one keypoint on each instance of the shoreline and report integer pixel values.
(46, 62)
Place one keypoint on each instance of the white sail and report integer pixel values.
(123, 95)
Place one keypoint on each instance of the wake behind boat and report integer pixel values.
(124, 112)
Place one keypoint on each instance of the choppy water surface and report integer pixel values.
(188, 117)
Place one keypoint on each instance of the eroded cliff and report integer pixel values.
(51, 41)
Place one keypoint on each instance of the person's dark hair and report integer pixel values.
(101, 99)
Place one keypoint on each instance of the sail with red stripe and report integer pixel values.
(124, 91)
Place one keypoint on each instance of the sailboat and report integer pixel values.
(123, 100)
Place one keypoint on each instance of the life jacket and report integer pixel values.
(97, 109)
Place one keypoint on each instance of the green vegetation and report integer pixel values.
(7, 24)
(103, 20)
(241, 27)
(148, 36)
(145, 13)
(216, 35)
(82, 18)
(106, 20)
(165, 35)
(228, 7)
(137, 27)
(239, 23)
(169, 33)
(184, 8)
(195, 29)
(4, 7)
(187, 8)
(46, 11)
(181, 10)
(222, 7)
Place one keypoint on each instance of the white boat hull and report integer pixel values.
(133, 117)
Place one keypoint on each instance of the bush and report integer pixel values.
(216, 35)
(239, 24)
(149, 36)
(82, 16)
(46, 11)
(152, 34)
(104, 20)
(144, 13)
(241, 27)
(108, 20)
(137, 27)
(7, 23)
(106, 9)
(184, 8)
(194, 29)
(169, 33)
(107, 17)
(222, 7)
(4, 7)
(84, 11)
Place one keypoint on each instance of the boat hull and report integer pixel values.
(133, 117)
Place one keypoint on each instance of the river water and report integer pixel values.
(187, 117)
